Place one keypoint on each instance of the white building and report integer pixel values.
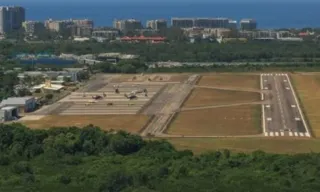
(8, 113)
(24, 104)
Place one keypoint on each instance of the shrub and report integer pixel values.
(22, 167)
(64, 179)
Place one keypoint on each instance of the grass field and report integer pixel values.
(240, 120)
(308, 88)
(271, 145)
(203, 96)
(130, 123)
(179, 77)
(231, 80)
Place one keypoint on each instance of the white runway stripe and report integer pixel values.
(271, 134)
(290, 134)
(296, 134)
(282, 133)
(301, 134)
(307, 135)
(266, 134)
(277, 134)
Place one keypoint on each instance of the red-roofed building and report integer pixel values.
(303, 34)
(143, 39)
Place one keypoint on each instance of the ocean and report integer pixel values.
(268, 15)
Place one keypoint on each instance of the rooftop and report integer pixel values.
(8, 108)
(143, 38)
(54, 87)
(15, 101)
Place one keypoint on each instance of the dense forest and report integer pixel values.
(88, 159)
(179, 51)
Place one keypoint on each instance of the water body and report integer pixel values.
(268, 15)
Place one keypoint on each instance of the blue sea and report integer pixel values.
(268, 15)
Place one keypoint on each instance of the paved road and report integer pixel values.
(283, 116)
(178, 93)
(226, 105)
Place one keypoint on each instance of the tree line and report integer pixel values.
(89, 159)
(251, 51)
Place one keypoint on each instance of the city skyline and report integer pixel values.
(268, 15)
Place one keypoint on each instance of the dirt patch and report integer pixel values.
(130, 123)
(179, 78)
(308, 89)
(247, 145)
(122, 78)
(229, 80)
(240, 120)
(204, 97)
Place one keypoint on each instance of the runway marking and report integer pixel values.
(277, 134)
(293, 106)
(266, 134)
(285, 80)
(296, 134)
(267, 106)
(265, 80)
(307, 134)
(290, 134)
(301, 134)
(280, 105)
(263, 120)
(297, 119)
(282, 133)
(297, 102)
(266, 88)
(269, 119)
(287, 88)
(271, 134)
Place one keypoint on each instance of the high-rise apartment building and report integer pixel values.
(11, 18)
(200, 22)
(127, 25)
(233, 24)
(82, 28)
(248, 24)
(19, 16)
(32, 27)
(182, 22)
(157, 24)
(77, 27)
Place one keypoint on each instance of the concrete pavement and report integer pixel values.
(283, 116)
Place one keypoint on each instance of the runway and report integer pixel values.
(282, 116)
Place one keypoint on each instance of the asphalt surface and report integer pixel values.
(282, 116)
